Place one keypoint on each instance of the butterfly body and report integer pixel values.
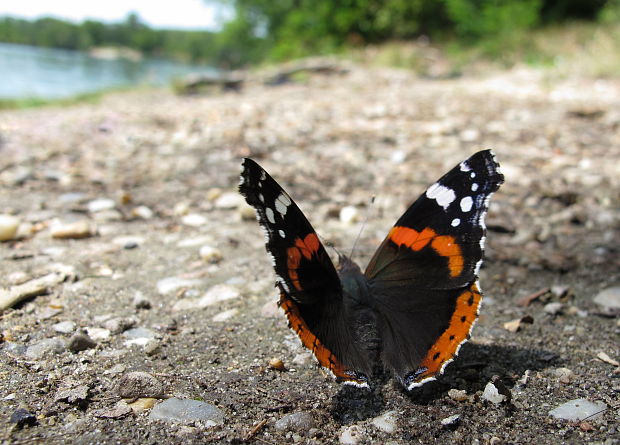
(417, 300)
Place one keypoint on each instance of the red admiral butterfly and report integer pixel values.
(418, 299)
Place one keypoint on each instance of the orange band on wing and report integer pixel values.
(446, 346)
(444, 245)
(306, 248)
(324, 356)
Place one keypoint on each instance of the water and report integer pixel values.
(28, 71)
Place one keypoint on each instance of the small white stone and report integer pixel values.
(8, 227)
(194, 220)
(142, 212)
(73, 230)
(171, 284)
(217, 293)
(223, 316)
(98, 333)
(492, 395)
(210, 254)
(99, 205)
(351, 435)
(579, 409)
(386, 422)
(349, 215)
(65, 327)
(229, 200)
(553, 308)
(246, 212)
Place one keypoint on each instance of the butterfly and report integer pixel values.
(418, 298)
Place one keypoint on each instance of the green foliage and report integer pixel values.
(192, 46)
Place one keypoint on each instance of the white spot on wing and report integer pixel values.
(474, 187)
(477, 268)
(455, 222)
(466, 203)
(270, 216)
(443, 195)
(263, 175)
(281, 233)
(261, 197)
(464, 167)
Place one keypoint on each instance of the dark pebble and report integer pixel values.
(80, 342)
(22, 416)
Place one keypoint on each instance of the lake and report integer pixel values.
(28, 71)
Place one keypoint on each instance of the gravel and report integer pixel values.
(206, 327)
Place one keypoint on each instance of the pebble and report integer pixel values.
(21, 417)
(175, 410)
(101, 204)
(492, 394)
(609, 299)
(138, 336)
(194, 220)
(8, 226)
(564, 375)
(120, 410)
(276, 363)
(141, 302)
(64, 327)
(80, 342)
(45, 348)
(210, 254)
(226, 315)
(142, 212)
(451, 421)
(270, 309)
(74, 396)
(515, 325)
(299, 422)
(386, 422)
(349, 215)
(229, 200)
(352, 435)
(73, 230)
(138, 384)
(97, 334)
(218, 293)
(142, 404)
(247, 212)
(554, 308)
(118, 325)
(459, 395)
(171, 284)
(578, 409)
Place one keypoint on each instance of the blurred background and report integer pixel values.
(65, 48)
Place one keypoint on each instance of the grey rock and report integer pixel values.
(21, 417)
(74, 396)
(44, 348)
(141, 302)
(451, 421)
(64, 327)
(554, 308)
(119, 324)
(578, 409)
(139, 384)
(80, 342)
(301, 422)
(491, 394)
(609, 299)
(187, 411)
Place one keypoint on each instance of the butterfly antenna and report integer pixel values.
(372, 201)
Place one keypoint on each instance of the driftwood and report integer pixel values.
(236, 80)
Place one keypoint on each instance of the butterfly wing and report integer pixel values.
(423, 276)
(310, 289)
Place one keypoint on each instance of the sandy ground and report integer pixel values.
(154, 177)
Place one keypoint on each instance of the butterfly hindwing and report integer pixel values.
(423, 276)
